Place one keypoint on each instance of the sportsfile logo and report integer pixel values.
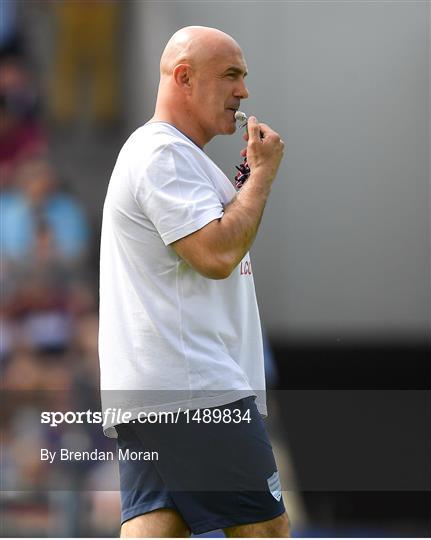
(274, 485)
(116, 416)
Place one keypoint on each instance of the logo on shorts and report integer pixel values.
(275, 486)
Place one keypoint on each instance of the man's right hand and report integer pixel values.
(264, 150)
(216, 250)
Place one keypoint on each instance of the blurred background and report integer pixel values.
(341, 262)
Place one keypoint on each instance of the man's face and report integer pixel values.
(218, 90)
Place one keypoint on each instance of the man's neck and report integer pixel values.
(185, 125)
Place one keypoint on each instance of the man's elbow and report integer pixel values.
(219, 273)
(220, 268)
(206, 262)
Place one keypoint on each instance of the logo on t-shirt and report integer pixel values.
(245, 268)
(274, 485)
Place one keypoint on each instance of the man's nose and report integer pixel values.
(242, 91)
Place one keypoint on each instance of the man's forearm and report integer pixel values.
(236, 230)
(216, 249)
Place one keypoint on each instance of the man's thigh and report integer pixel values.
(161, 523)
(278, 527)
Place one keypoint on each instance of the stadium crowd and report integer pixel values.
(48, 285)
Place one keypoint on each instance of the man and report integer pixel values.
(179, 324)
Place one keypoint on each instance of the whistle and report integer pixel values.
(241, 117)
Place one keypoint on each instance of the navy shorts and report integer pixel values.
(216, 473)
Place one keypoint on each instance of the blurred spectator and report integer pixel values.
(20, 133)
(40, 221)
(42, 319)
(22, 452)
(86, 52)
(44, 239)
(87, 360)
(105, 506)
(40, 311)
(10, 38)
(23, 363)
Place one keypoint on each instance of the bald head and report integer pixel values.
(202, 74)
(195, 46)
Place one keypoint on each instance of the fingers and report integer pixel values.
(267, 132)
(243, 152)
(253, 129)
(258, 131)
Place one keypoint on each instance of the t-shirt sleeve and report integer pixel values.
(176, 194)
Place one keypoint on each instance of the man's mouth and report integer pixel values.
(232, 110)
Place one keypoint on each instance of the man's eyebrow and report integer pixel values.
(234, 69)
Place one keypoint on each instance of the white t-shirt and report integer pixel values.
(170, 338)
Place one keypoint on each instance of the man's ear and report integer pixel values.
(182, 75)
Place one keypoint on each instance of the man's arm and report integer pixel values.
(216, 249)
